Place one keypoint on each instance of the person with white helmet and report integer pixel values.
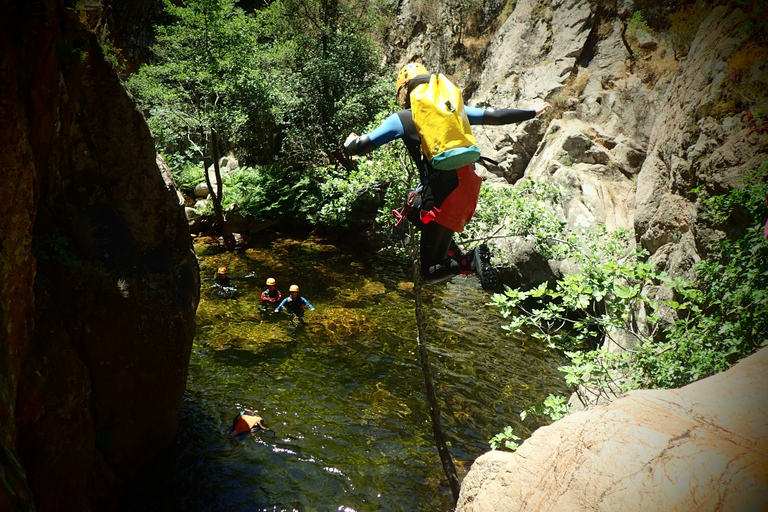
(270, 296)
(448, 197)
(294, 304)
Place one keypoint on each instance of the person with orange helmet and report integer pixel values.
(294, 304)
(270, 297)
(222, 277)
(448, 198)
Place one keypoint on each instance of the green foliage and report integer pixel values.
(203, 77)
(725, 318)
(554, 408)
(506, 439)
(112, 54)
(326, 72)
(599, 372)
(636, 24)
(187, 174)
(706, 327)
(526, 209)
(282, 84)
(584, 306)
(383, 178)
(267, 192)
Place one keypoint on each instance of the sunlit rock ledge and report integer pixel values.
(701, 447)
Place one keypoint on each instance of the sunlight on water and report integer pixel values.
(343, 392)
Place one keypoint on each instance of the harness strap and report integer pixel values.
(427, 217)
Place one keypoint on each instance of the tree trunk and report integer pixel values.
(218, 213)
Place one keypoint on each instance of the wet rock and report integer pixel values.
(100, 282)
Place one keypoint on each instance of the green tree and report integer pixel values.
(326, 71)
(202, 84)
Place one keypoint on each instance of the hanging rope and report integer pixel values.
(434, 408)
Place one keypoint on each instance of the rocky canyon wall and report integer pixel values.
(99, 280)
(633, 138)
(646, 111)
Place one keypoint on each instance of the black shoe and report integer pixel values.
(489, 276)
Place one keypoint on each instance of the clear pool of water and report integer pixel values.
(343, 393)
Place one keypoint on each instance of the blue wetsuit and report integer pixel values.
(436, 238)
(295, 306)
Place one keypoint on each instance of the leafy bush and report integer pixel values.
(705, 328)
(383, 178)
(526, 210)
(725, 318)
(554, 407)
(507, 439)
(187, 175)
(267, 192)
(587, 305)
(636, 24)
(708, 325)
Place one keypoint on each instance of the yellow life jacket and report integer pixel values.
(438, 113)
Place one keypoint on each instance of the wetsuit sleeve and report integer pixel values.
(498, 116)
(280, 306)
(306, 303)
(389, 130)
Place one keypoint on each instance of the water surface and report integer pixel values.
(343, 393)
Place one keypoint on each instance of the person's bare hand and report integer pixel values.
(352, 136)
(543, 107)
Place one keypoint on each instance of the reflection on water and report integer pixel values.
(343, 392)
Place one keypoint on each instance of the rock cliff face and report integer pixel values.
(100, 283)
(631, 136)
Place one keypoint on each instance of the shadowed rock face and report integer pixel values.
(700, 447)
(99, 280)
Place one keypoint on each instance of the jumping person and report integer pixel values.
(294, 305)
(448, 197)
(270, 296)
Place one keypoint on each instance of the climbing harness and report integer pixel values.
(412, 200)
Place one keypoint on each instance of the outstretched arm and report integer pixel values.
(359, 144)
(500, 116)
(389, 130)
